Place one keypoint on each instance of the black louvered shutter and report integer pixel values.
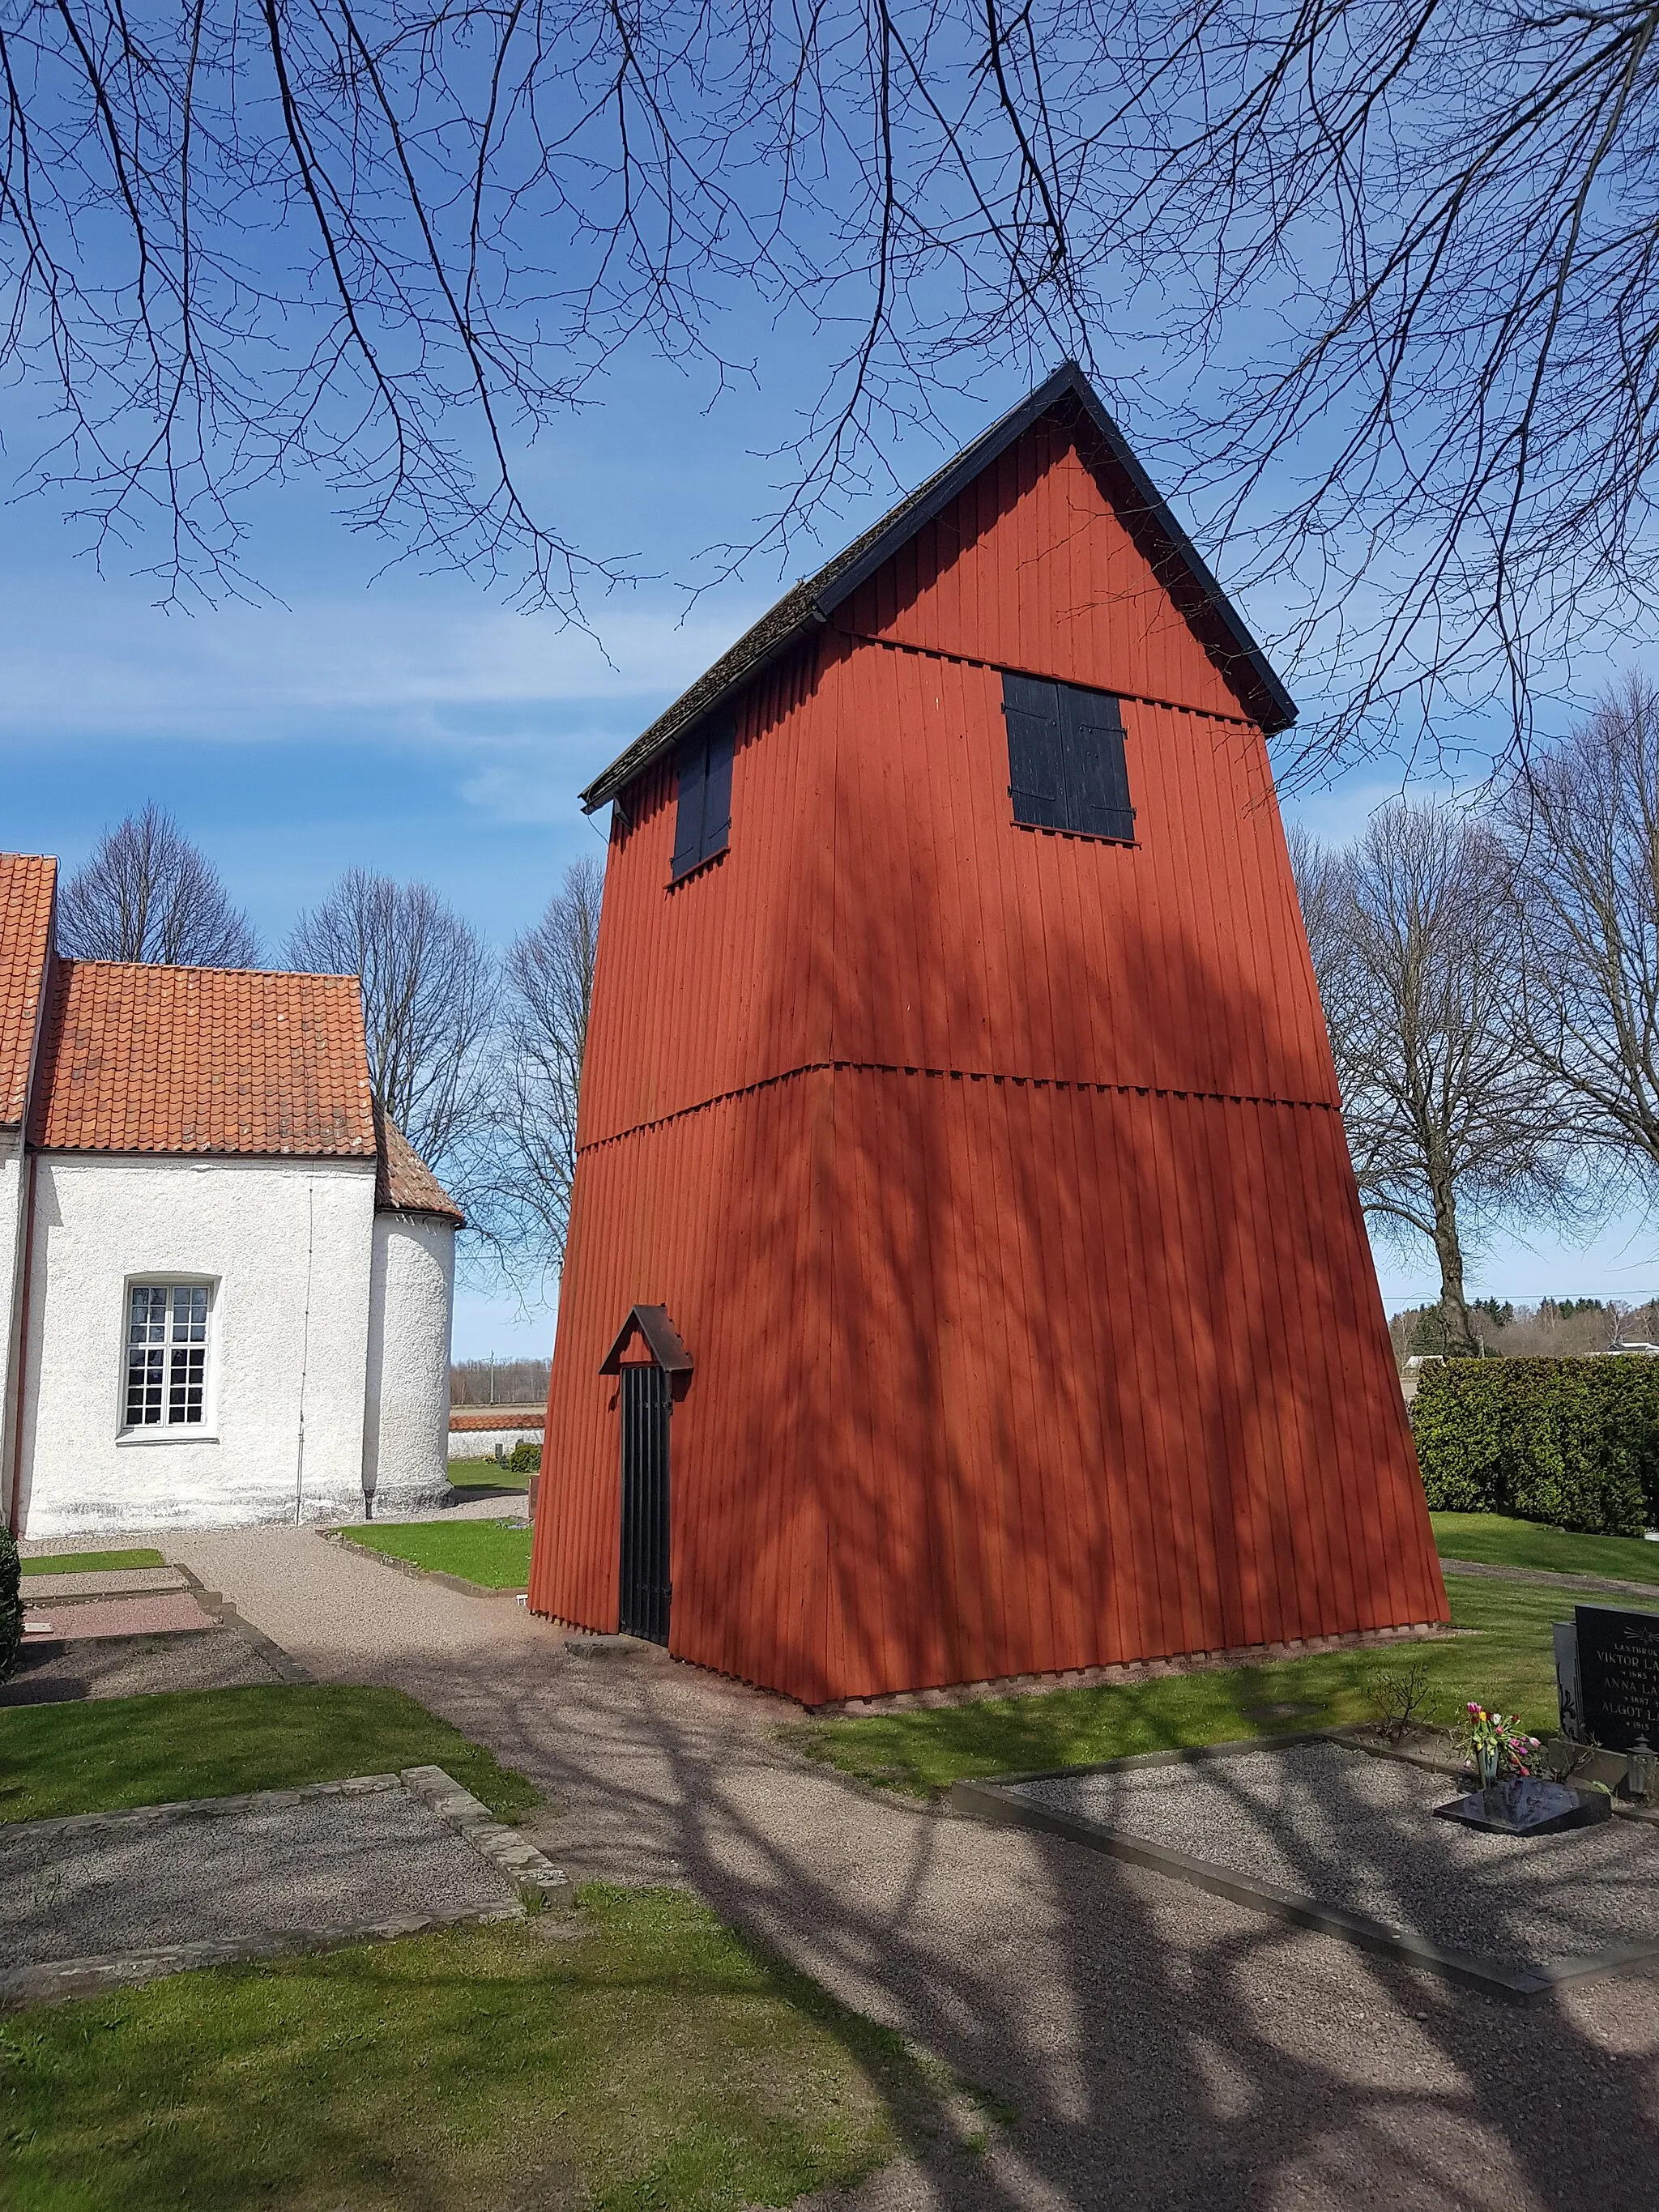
(702, 826)
(717, 794)
(688, 822)
(1097, 775)
(1036, 752)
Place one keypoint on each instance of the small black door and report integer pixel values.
(645, 1403)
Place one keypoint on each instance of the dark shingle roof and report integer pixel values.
(1174, 558)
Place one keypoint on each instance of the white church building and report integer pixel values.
(225, 1280)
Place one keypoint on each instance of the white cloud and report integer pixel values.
(102, 661)
(519, 793)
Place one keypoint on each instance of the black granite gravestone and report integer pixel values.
(1528, 1805)
(1618, 1674)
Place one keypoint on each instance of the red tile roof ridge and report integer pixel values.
(141, 1057)
(28, 897)
(186, 967)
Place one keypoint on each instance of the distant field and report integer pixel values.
(1493, 1539)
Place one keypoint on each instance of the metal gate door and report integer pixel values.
(645, 1587)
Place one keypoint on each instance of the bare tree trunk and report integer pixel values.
(1449, 1252)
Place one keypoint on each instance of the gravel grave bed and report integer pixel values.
(220, 1658)
(1356, 1832)
(108, 1582)
(131, 1881)
(152, 1612)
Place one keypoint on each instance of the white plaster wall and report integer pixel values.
(406, 1416)
(280, 1241)
(480, 1443)
(12, 1175)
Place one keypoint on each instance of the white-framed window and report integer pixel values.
(167, 1355)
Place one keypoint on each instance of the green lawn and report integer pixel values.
(1494, 1540)
(656, 2062)
(484, 1552)
(1508, 1662)
(89, 1563)
(111, 1751)
(484, 1479)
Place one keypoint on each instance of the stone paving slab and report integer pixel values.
(120, 1896)
(159, 1612)
(1345, 1840)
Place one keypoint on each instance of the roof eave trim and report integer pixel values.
(616, 779)
(452, 1214)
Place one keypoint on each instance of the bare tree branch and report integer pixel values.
(1396, 261)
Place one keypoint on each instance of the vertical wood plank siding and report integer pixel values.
(994, 1177)
(1031, 568)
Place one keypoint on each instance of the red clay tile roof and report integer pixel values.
(201, 1059)
(463, 1420)
(403, 1181)
(26, 887)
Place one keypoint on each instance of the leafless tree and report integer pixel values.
(1449, 1123)
(498, 1382)
(428, 990)
(1324, 892)
(1582, 824)
(521, 1191)
(147, 894)
(1400, 255)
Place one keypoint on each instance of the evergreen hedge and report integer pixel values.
(11, 1604)
(1572, 1442)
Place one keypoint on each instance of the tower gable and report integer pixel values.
(1065, 407)
(1034, 567)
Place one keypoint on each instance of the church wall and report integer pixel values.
(287, 1245)
(406, 1414)
(12, 1174)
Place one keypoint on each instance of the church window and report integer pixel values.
(167, 1354)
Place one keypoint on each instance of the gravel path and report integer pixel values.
(1358, 1832)
(71, 1889)
(1164, 2049)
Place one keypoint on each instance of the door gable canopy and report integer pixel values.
(661, 1339)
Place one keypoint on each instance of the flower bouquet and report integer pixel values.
(1495, 1746)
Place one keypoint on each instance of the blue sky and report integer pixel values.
(415, 724)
